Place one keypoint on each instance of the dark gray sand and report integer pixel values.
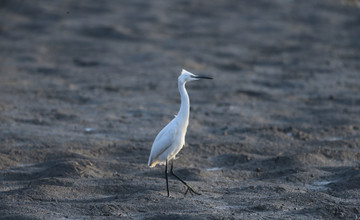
(86, 85)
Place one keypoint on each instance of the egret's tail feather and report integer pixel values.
(151, 163)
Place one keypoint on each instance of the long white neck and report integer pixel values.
(184, 111)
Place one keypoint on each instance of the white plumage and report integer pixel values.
(168, 142)
(171, 138)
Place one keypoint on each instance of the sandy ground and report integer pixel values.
(86, 85)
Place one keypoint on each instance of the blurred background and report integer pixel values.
(86, 85)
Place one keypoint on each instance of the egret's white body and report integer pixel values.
(171, 138)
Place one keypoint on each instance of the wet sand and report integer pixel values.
(86, 85)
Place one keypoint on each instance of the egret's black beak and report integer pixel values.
(202, 77)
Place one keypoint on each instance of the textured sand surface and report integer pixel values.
(86, 85)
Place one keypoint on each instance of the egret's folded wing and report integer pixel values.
(162, 141)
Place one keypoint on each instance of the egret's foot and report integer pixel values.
(192, 191)
(189, 188)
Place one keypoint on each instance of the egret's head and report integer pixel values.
(186, 76)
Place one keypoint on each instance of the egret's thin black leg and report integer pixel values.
(189, 188)
(167, 181)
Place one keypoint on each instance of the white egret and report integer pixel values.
(171, 138)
